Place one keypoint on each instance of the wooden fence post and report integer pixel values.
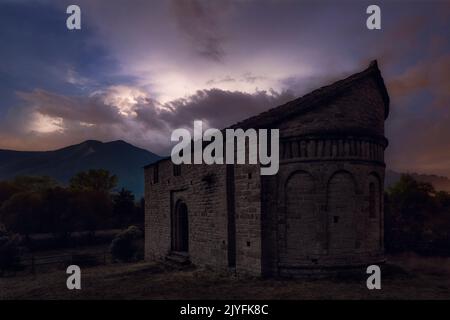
(32, 264)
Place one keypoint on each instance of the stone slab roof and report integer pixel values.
(314, 98)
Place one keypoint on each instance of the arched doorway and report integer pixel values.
(180, 228)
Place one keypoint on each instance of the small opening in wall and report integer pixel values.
(248, 243)
(315, 261)
(208, 178)
(372, 201)
(249, 175)
(336, 219)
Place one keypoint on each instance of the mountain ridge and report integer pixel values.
(119, 157)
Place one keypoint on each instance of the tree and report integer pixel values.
(412, 199)
(34, 183)
(124, 207)
(58, 213)
(443, 200)
(127, 245)
(99, 180)
(91, 210)
(22, 213)
(417, 218)
(7, 190)
(9, 251)
(139, 215)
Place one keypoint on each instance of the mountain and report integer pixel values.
(118, 157)
(438, 182)
(122, 159)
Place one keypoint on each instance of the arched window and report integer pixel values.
(341, 224)
(301, 218)
(374, 196)
(374, 205)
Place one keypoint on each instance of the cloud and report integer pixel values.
(419, 142)
(219, 108)
(199, 21)
(47, 120)
(123, 97)
(407, 29)
(418, 127)
(432, 75)
(136, 74)
(220, 81)
(215, 107)
(73, 77)
(82, 109)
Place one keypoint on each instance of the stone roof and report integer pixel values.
(314, 98)
(311, 100)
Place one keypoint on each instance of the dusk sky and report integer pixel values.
(139, 69)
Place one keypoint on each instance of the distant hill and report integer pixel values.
(122, 159)
(119, 157)
(438, 182)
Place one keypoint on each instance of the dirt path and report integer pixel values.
(417, 278)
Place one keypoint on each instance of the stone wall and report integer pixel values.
(322, 214)
(203, 189)
(322, 211)
(248, 219)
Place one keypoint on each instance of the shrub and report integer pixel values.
(9, 251)
(127, 245)
(417, 218)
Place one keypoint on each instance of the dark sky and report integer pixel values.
(139, 69)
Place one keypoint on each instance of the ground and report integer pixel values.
(404, 277)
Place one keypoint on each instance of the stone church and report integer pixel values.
(321, 213)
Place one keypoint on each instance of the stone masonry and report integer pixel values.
(322, 212)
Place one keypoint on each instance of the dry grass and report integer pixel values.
(405, 277)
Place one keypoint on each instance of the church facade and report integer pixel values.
(322, 212)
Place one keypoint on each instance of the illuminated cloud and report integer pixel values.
(124, 112)
(45, 124)
(124, 98)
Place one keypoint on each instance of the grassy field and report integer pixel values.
(404, 277)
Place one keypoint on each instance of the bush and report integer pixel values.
(127, 246)
(9, 251)
(417, 218)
